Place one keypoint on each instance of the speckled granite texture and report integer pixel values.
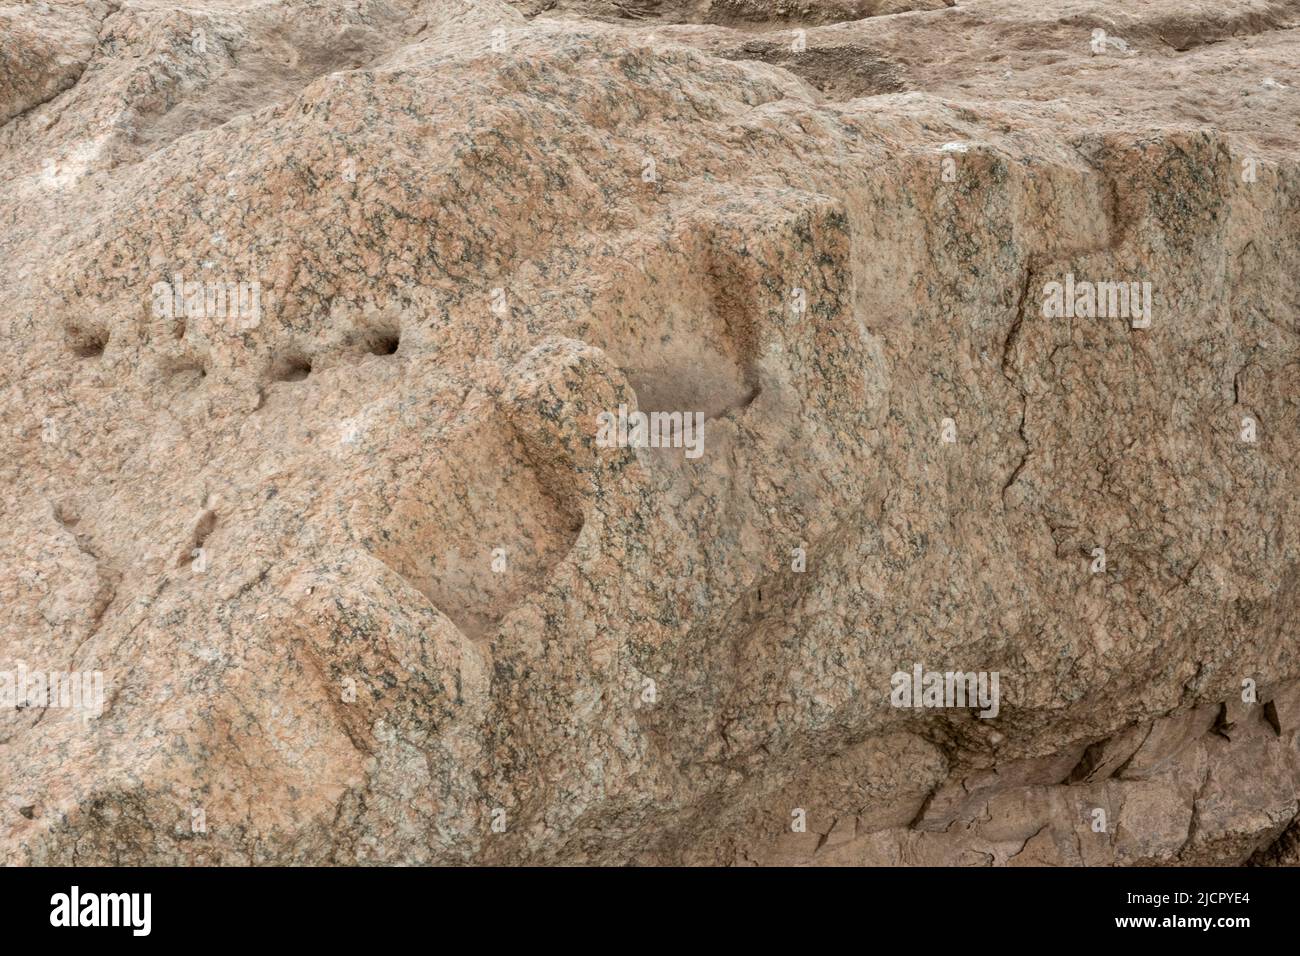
(312, 312)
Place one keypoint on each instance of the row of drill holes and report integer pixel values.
(93, 347)
(295, 370)
(298, 368)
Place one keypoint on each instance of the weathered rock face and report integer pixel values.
(739, 12)
(316, 317)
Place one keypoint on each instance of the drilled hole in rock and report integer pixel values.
(479, 531)
(385, 345)
(66, 515)
(292, 369)
(88, 344)
(187, 374)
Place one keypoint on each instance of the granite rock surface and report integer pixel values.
(316, 312)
